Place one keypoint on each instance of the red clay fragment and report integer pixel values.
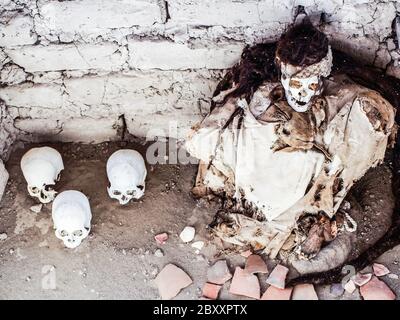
(211, 290)
(380, 270)
(277, 277)
(171, 280)
(255, 264)
(161, 238)
(245, 284)
(376, 289)
(304, 292)
(218, 273)
(273, 293)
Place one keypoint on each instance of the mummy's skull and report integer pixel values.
(41, 168)
(126, 173)
(299, 91)
(301, 83)
(71, 217)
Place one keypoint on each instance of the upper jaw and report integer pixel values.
(298, 105)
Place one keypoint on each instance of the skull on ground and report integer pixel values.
(41, 168)
(71, 216)
(126, 171)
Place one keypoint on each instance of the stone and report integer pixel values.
(171, 280)
(187, 234)
(219, 273)
(393, 276)
(198, 245)
(336, 290)
(304, 292)
(350, 286)
(3, 236)
(211, 290)
(273, 293)
(376, 289)
(159, 253)
(161, 238)
(380, 270)
(245, 284)
(277, 277)
(360, 279)
(255, 264)
(36, 208)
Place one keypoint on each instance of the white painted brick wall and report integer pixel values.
(70, 69)
(88, 17)
(3, 179)
(167, 55)
(17, 32)
(69, 57)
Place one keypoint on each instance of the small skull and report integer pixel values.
(126, 171)
(41, 168)
(299, 91)
(71, 217)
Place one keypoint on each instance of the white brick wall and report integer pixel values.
(167, 55)
(3, 179)
(90, 18)
(18, 32)
(69, 57)
(70, 69)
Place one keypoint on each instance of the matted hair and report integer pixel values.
(302, 45)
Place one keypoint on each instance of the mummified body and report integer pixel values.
(296, 148)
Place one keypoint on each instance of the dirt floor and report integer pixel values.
(117, 260)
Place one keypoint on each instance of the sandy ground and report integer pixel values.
(117, 260)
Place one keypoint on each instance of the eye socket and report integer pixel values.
(78, 233)
(63, 233)
(140, 187)
(116, 193)
(313, 86)
(35, 189)
(49, 187)
(295, 84)
(130, 192)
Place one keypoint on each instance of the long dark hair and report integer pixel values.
(302, 45)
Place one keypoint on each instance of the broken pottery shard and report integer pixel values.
(350, 286)
(255, 264)
(219, 273)
(161, 238)
(187, 234)
(304, 292)
(171, 280)
(278, 276)
(245, 284)
(273, 293)
(36, 208)
(380, 270)
(376, 289)
(211, 291)
(361, 279)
